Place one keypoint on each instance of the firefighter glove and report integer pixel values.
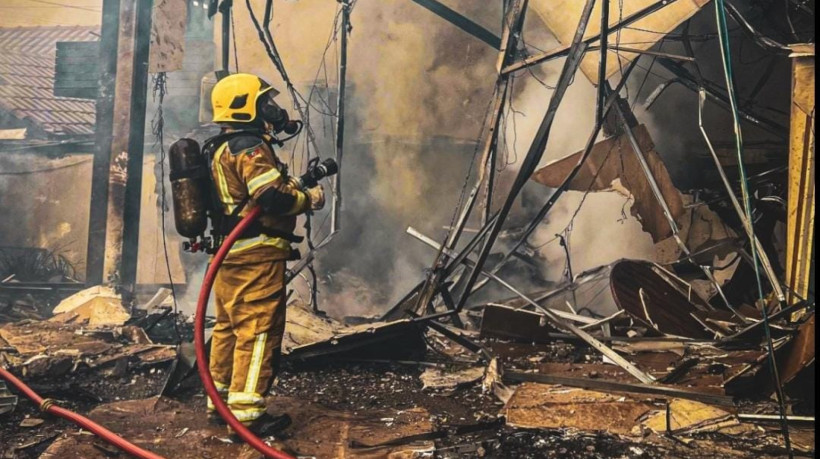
(317, 197)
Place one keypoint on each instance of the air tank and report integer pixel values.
(190, 187)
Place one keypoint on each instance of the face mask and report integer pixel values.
(275, 115)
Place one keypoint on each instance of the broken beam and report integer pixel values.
(537, 148)
(462, 22)
(553, 316)
(471, 264)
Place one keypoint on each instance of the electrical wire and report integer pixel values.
(646, 76)
(266, 37)
(160, 90)
(725, 48)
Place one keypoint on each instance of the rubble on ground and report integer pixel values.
(543, 393)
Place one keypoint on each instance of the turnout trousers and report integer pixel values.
(247, 339)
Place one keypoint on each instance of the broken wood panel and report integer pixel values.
(617, 168)
(535, 406)
(800, 354)
(640, 290)
(660, 390)
(561, 17)
(31, 339)
(801, 210)
(396, 340)
(509, 323)
(597, 371)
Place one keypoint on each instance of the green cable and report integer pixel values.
(725, 48)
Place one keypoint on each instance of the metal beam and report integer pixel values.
(335, 222)
(534, 155)
(470, 264)
(599, 106)
(462, 22)
(539, 144)
(513, 22)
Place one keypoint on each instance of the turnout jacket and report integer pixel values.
(245, 167)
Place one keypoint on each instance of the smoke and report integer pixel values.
(419, 90)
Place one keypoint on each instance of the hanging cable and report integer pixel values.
(235, 46)
(725, 48)
(266, 37)
(160, 89)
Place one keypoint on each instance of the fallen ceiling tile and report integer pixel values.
(536, 406)
(562, 16)
(82, 297)
(99, 312)
(613, 165)
(687, 415)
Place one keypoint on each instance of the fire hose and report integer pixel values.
(49, 406)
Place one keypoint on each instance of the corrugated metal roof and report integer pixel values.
(41, 41)
(27, 79)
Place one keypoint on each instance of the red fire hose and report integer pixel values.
(47, 405)
(199, 342)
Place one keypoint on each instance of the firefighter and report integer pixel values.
(249, 288)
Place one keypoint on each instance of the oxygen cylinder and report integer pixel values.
(190, 187)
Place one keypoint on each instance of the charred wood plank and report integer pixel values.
(612, 386)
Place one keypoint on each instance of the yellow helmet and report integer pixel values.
(234, 97)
